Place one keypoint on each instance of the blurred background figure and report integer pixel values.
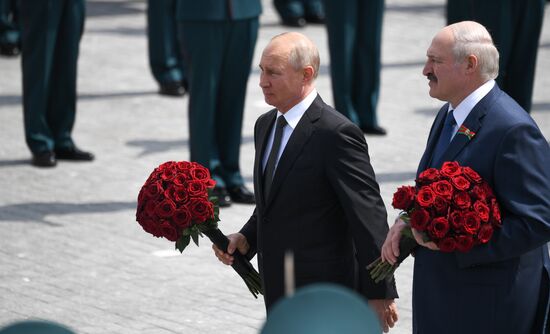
(296, 13)
(165, 58)
(35, 327)
(322, 308)
(51, 32)
(217, 38)
(10, 37)
(354, 30)
(515, 26)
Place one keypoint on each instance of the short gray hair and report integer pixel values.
(303, 53)
(472, 38)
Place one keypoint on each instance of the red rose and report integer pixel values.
(460, 182)
(201, 210)
(425, 196)
(456, 219)
(496, 219)
(150, 208)
(154, 189)
(487, 190)
(462, 200)
(478, 192)
(447, 244)
(438, 228)
(151, 227)
(199, 173)
(450, 169)
(441, 205)
(485, 233)
(168, 174)
(166, 208)
(180, 179)
(196, 189)
(471, 223)
(180, 195)
(168, 231)
(403, 197)
(182, 217)
(482, 211)
(464, 243)
(428, 176)
(443, 188)
(184, 165)
(419, 219)
(471, 174)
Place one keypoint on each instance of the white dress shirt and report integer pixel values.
(465, 107)
(292, 118)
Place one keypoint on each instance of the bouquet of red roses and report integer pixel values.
(453, 207)
(176, 203)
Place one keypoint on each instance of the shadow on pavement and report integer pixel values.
(38, 211)
(113, 8)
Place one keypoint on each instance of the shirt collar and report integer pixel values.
(295, 113)
(465, 107)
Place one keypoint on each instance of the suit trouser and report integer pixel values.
(51, 32)
(515, 26)
(298, 8)
(9, 22)
(354, 30)
(218, 56)
(164, 55)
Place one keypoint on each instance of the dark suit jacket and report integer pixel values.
(324, 201)
(500, 287)
(218, 10)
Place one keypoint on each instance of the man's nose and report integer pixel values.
(427, 69)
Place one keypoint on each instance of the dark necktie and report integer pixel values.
(444, 138)
(272, 160)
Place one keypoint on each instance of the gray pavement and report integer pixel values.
(70, 249)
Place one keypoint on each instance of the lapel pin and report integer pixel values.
(467, 132)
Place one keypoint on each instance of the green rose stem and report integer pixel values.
(380, 270)
(241, 265)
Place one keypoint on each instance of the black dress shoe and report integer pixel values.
(241, 194)
(73, 154)
(224, 200)
(9, 50)
(315, 18)
(374, 130)
(172, 89)
(296, 22)
(44, 159)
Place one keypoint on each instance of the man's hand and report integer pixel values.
(236, 241)
(420, 240)
(390, 248)
(386, 310)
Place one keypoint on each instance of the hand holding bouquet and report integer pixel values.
(453, 207)
(175, 203)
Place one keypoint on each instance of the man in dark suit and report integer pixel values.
(316, 192)
(354, 30)
(515, 26)
(501, 286)
(217, 39)
(165, 57)
(51, 31)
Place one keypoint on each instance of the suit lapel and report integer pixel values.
(432, 139)
(471, 125)
(264, 129)
(296, 142)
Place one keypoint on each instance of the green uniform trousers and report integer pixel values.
(354, 30)
(51, 32)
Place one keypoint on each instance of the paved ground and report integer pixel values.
(70, 249)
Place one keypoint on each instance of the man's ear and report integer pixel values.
(472, 64)
(308, 73)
